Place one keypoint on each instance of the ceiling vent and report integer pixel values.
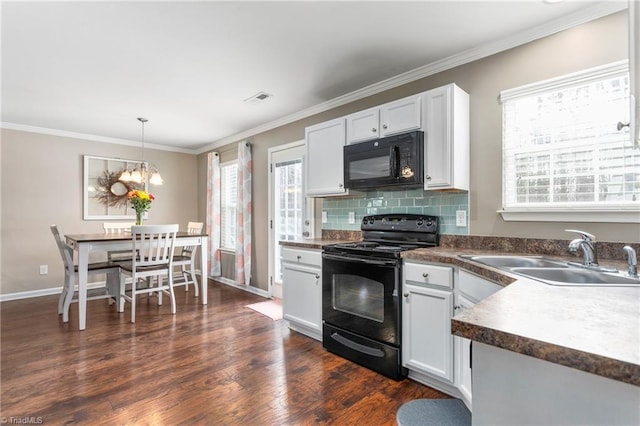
(258, 97)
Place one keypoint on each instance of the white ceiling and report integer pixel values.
(92, 67)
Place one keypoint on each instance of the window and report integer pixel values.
(562, 150)
(290, 199)
(228, 197)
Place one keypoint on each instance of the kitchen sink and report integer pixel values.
(576, 276)
(516, 261)
(555, 272)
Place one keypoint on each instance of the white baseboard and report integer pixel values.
(248, 288)
(42, 292)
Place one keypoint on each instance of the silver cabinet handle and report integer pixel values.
(340, 185)
(305, 234)
(299, 257)
(406, 295)
(384, 126)
(374, 129)
(622, 125)
(425, 275)
(457, 307)
(427, 177)
(317, 277)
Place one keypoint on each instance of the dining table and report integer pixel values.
(84, 244)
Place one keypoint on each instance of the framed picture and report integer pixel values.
(105, 196)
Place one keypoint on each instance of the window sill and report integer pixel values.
(618, 215)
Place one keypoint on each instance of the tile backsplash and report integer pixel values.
(434, 203)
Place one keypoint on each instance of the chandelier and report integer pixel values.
(142, 171)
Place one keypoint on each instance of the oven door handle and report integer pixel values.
(359, 260)
(357, 346)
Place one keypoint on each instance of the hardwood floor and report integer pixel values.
(215, 364)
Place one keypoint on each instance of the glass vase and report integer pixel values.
(138, 218)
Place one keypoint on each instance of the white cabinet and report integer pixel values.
(324, 165)
(446, 139)
(401, 116)
(302, 290)
(462, 348)
(392, 118)
(470, 289)
(427, 344)
(363, 125)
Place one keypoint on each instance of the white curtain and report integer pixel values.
(243, 215)
(213, 212)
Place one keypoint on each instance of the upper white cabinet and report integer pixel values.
(363, 125)
(443, 115)
(446, 127)
(324, 168)
(392, 118)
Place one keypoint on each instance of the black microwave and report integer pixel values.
(386, 163)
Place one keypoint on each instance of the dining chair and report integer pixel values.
(116, 228)
(69, 294)
(154, 245)
(187, 259)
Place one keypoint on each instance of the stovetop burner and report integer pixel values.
(389, 235)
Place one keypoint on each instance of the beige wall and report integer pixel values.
(588, 45)
(42, 184)
(51, 191)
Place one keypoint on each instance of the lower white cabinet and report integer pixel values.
(470, 289)
(302, 290)
(430, 352)
(427, 343)
(462, 349)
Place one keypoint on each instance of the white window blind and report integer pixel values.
(561, 146)
(228, 197)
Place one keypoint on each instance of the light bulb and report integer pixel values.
(156, 179)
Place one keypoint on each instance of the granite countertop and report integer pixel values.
(593, 329)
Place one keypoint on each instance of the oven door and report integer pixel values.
(360, 294)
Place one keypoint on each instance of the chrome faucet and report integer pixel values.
(587, 244)
(633, 261)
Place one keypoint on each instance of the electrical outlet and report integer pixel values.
(461, 218)
(44, 269)
(352, 218)
(325, 219)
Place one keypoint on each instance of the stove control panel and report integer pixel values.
(400, 222)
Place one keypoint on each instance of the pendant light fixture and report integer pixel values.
(141, 172)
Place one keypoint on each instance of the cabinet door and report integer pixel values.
(446, 138)
(463, 356)
(325, 168)
(302, 295)
(427, 342)
(401, 116)
(363, 126)
(437, 138)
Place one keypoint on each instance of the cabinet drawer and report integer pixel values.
(429, 274)
(306, 256)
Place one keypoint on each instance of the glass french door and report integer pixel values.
(291, 213)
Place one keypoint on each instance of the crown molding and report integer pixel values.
(581, 17)
(599, 10)
(94, 138)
